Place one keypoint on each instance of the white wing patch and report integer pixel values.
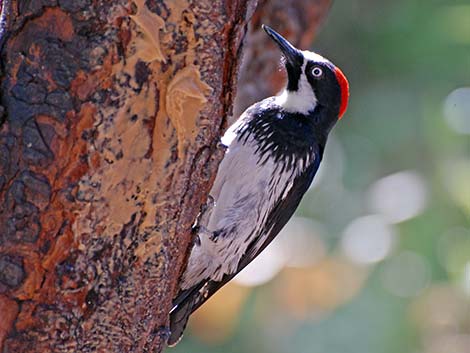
(244, 194)
(231, 132)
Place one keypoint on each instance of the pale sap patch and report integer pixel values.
(148, 27)
(185, 97)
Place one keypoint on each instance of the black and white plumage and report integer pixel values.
(273, 152)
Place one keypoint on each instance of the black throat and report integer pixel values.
(293, 76)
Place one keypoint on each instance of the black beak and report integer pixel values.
(292, 54)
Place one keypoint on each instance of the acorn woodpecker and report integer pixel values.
(273, 152)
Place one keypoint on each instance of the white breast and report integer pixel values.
(244, 192)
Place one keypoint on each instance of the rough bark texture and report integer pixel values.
(113, 112)
(109, 123)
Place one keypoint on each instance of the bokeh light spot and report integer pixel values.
(399, 196)
(263, 268)
(368, 239)
(302, 240)
(299, 244)
(457, 110)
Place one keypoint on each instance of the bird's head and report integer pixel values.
(312, 81)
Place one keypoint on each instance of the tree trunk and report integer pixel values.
(110, 121)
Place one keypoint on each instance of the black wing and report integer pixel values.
(191, 299)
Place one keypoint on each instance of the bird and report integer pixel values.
(272, 153)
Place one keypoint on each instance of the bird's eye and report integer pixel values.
(317, 72)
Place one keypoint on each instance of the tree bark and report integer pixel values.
(111, 113)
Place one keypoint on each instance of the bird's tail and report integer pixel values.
(183, 305)
(179, 316)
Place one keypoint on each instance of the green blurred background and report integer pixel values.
(377, 259)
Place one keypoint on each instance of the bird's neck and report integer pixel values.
(302, 100)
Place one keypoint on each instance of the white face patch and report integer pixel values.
(301, 101)
(311, 56)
